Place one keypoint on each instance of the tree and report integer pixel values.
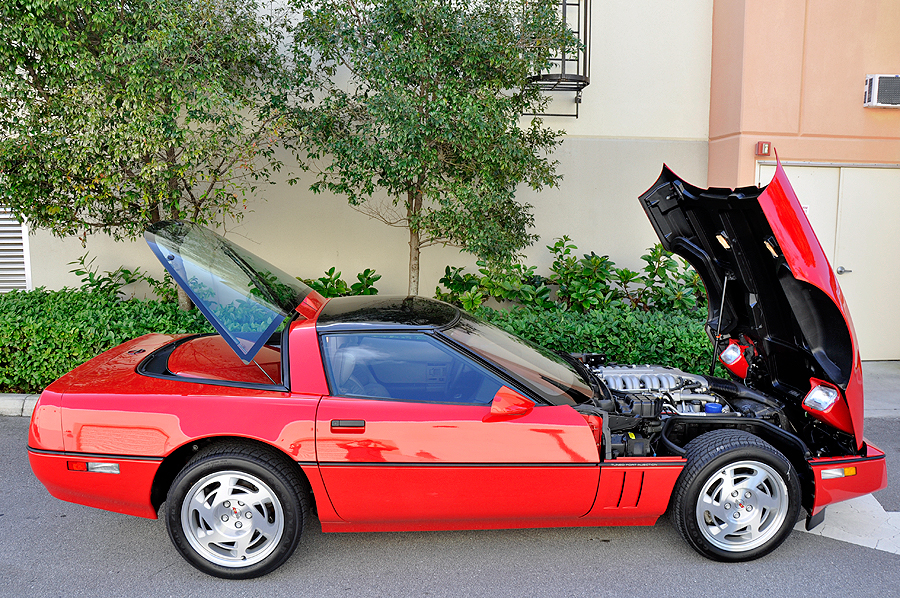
(431, 115)
(115, 114)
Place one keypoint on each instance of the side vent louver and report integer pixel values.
(14, 271)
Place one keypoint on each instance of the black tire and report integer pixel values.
(236, 511)
(737, 498)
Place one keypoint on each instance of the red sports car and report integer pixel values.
(408, 414)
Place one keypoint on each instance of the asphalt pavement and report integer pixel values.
(51, 548)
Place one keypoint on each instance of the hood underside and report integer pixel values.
(767, 279)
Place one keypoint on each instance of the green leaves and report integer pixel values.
(622, 333)
(332, 285)
(427, 135)
(44, 334)
(115, 115)
(581, 284)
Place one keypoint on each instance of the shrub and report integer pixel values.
(580, 284)
(332, 285)
(113, 282)
(623, 334)
(44, 334)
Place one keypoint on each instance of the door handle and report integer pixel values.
(843, 270)
(348, 426)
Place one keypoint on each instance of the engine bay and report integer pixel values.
(649, 410)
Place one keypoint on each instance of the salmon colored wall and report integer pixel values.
(792, 72)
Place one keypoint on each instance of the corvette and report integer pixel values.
(405, 413)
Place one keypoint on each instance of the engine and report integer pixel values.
(640, 398)
(677, 391)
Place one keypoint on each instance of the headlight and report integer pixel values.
(731, 354)
(821, 398)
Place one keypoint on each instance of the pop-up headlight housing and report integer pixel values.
(826, 403)
(821, 398)
(734, 357)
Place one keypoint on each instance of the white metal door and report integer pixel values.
(855, 211)
(868, 243)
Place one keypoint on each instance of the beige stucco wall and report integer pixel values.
(792, 72)
(648, 103)
(304, 234)
(650, 69)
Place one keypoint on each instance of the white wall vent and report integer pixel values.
(15, 270)
(882, 91)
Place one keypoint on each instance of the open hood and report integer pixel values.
(772, 292)
(244, 297)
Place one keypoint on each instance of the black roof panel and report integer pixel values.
(371, 312)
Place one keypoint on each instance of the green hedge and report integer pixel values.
(623, 334)
(44, 334)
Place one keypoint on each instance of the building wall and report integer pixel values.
(792, 72)
(648, 103)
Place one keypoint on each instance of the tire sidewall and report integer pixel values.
(772, 458)
(203, 467)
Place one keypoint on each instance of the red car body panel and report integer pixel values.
(455, 466)
(399, 432)
(127, 492)
(46, 431)
(635, 489)
(306, 371)
(808, 263)
(870, 476)
(211, 358)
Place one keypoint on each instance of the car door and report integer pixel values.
(418, 432)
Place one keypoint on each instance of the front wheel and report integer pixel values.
(737, 498)
(236, 511)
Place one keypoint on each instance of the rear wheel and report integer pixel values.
(237, 511)
(737, 498)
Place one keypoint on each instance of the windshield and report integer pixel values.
(244, 297)
(544, 372)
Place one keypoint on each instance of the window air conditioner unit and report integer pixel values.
(882, 91)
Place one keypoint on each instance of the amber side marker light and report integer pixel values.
(92, 466)
(840, 472)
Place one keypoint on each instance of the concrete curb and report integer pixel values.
(17, 405)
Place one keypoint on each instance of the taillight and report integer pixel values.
(94, 466)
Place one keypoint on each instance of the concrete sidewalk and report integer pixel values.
(881, 378)
(882, 385)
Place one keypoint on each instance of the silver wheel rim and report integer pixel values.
(232, 519)
(742, 506)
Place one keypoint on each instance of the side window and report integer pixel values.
(406, 367)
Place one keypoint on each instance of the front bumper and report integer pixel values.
(869, 475)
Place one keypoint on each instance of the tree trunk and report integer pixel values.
(413, 207)
(413, 261)
(184, 302)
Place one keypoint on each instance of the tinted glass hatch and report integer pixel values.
(244, 297)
